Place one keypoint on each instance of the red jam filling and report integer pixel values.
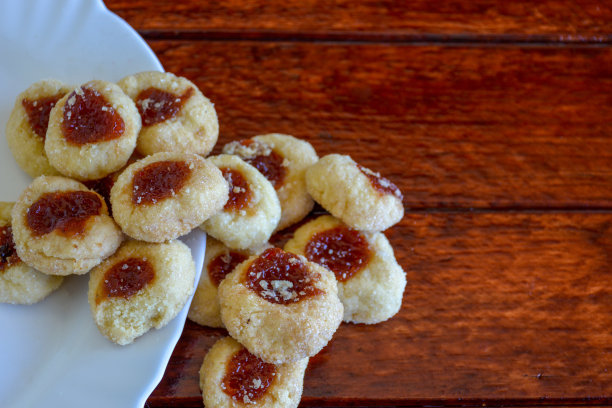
(8, 253)
(103, 187)
(222, 264)
(66, 211)
(270, 165)
(126, 278)
(281, 277)
(89, 118)
(158, 181)
(247, 377)
(239, 192)
(341, 250)
(155, 105)
(38, 112)
(381, 184)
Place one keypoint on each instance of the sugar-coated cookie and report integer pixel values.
(219, 261)
(232, 377)
(166, 195)
(19, 283)
(252, 210)
(282, 159)
(92, 131)
(143, 285)
(362, 199)
(60, 227)
(280, 306)
(27, 126)
(370, 281)
(176, 117)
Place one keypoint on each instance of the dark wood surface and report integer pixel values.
(494, 119)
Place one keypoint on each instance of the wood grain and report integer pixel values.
(547, 20)
(499, 308)
(453, 127)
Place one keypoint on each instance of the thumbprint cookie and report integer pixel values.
(280, 306)
(19, 283)
(166, 195)
(219, 261)
(370, 281)
(282, 159)
(26, 128)
(92, 131)
(60, 227)
(175, 115)
(359, 197)
(231, 376)
(252, 210)
(143, 285)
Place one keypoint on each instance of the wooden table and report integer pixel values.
(495, 120)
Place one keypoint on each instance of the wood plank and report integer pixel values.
(587, 20)
(453, 127)
(508, 309)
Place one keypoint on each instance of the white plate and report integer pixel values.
(51, 353)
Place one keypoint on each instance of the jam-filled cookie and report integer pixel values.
(231, 376)
(175, 115)
(282, 159)
(60, 227)
(280, 306)
(166, 195)
(19, 283)
(143, 285)
(26, 128)
(252, 210)
(92, 131)
(219, 261)
(362, 199)
(370, 281)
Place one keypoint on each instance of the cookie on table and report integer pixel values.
(143, 285)
(252, 210)
(231, 376)
(19, 283)
(26, 128)
(60, 227)
(166, 195)
(92, 131)
(282, 159)
(175, 115)
(362, 199)
(370, 281)
(219, 261)
(280, 306)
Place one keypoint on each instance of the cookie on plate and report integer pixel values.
(166, 195)
(280, 306)
(282, 159)
(361, 198)
(370, 281)
(19, 283)
(252, 210)
(60, 227)
(175, 115)
(219, 261)
(92, 131)
(231, 376)
(26, 128)
(143, 285)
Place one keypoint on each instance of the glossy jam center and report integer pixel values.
(247, 377)
(38, 111)
(281, 277)
(223, 264)
(155, 105)
(8, 254)
(342, 250)
(66, 211)
(159, 180)
(239, 191)
(381, 184)
(126, 278)
(103, 187)
(269, 164)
